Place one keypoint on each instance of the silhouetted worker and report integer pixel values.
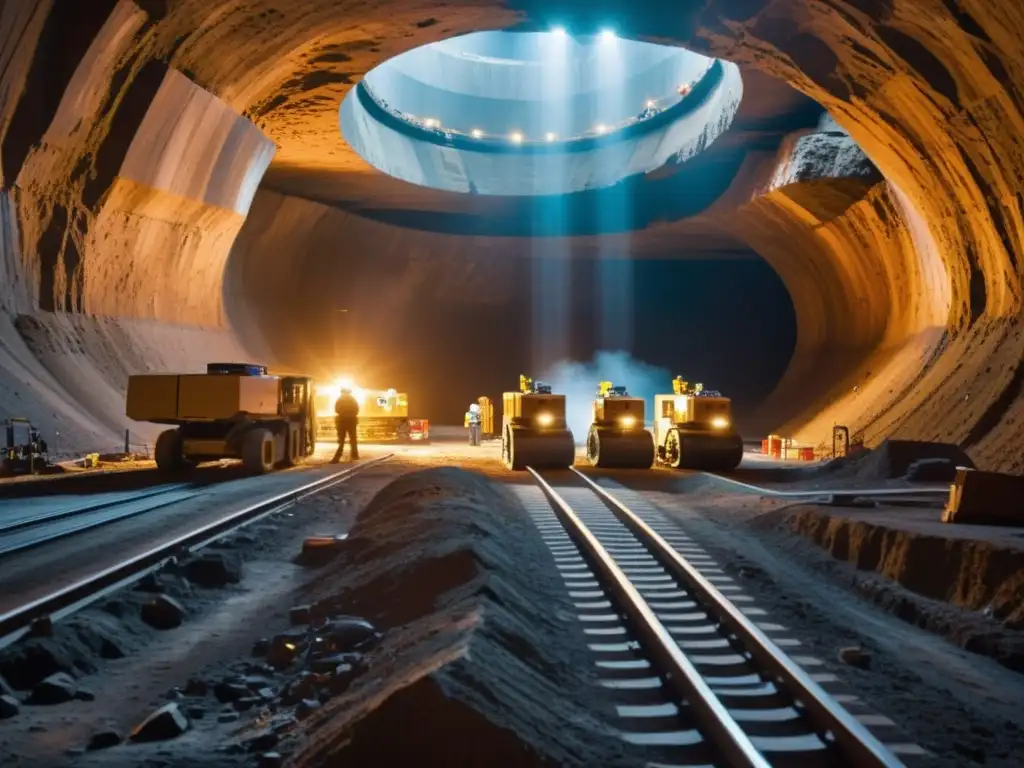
(473, 420)
(346, 419)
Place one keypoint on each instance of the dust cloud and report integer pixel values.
(579, 381)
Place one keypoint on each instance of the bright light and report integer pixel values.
(516, 137)
(560, 31)
(719, 422)
(476, 133)
(601, 128)
(628, 422)
(550, 136)
(607, 34)
(545, 419)
(431, 122)
(650, 103)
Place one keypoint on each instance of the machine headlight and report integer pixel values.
(545, 419)
(627, 422)
(719, 422)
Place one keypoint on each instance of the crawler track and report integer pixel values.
(16, 623)
(695, 681)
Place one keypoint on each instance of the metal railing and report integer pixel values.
(652, 108)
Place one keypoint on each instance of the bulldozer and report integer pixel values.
(383, 415)
(693, 429)
(25, 451)
(617, 437)
(234, 410)
(534, 431)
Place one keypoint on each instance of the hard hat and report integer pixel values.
(474, 408)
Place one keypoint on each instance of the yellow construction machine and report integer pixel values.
(383, 415)
(693, 429)
(533, 431)
(234, 410)
(617, 437)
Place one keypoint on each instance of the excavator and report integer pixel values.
(693, 429)
(617, 437)
(534, 432)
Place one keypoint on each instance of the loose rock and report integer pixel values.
(227, 692)
(301, 614)
(260, 647)
(196, 687)
(56, 689)
(104, 739)
(271, 760)
(163, 612)
(306, 708)
(9, 706)
(196, 712)
(213, 570)
(263, 742)
(227, 717)
(347, 633)
(166, 723)
(247, 703)
(855, 657)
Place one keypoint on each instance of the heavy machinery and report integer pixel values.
(25, 451)
(693, 429)
(617, 437)
(383, 415)
(533, 429)
(234, 410)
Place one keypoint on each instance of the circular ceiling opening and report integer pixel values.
(528, 113)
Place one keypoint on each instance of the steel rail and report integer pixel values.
(853, 740)
(17, 623)
(709, 711)
(52, 517)
(867, 493)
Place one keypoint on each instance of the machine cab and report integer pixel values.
(694, 407)
(613, 407)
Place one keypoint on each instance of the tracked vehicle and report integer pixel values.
(533, 431)
(693, 429)
(617, 437)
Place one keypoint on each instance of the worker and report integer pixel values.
(473, 420)
(346, 419)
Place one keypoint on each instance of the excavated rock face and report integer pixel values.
(133, 136)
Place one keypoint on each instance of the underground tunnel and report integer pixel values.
(816, 209)
(168, 204)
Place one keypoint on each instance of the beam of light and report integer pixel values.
(601, 128)
(613, 303)
(476, 133)
(559, 31)
(607, 34)
(551, 264)
(516, 137)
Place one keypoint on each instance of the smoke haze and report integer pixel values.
(579, 381)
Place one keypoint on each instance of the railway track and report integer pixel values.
(31, 530)
(62, 602)
(695, 681)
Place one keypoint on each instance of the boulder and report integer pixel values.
(104, 739)
(347, 633)
(227, 691)
(163, 612)
(56, 689)
(213, 570)
(9, 706)
(166, 723)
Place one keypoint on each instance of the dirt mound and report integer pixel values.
(482, 661)
(893, 458)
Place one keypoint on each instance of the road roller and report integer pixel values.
(617, 437)
(533, 431)
(693, 429)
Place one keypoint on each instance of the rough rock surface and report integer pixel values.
(469, 670)
(118, 220)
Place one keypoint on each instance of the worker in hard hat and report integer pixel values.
(473, 422)
(346, 419)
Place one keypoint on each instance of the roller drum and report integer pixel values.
(711, 453)
(612, 448)
(541, 450)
